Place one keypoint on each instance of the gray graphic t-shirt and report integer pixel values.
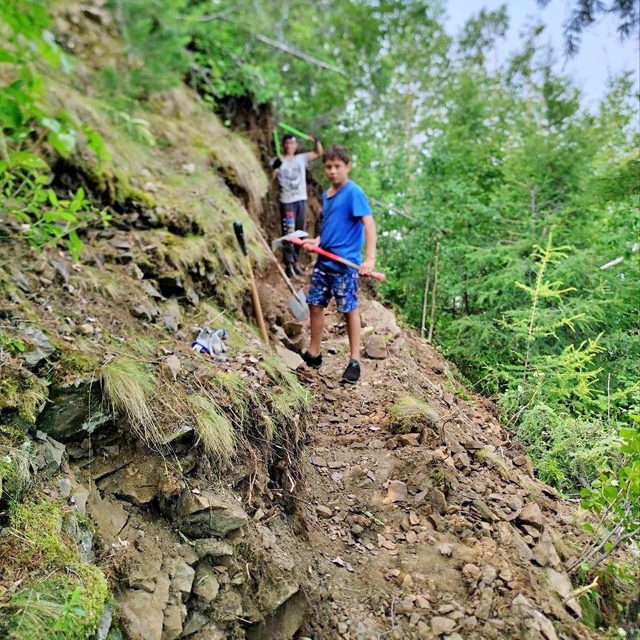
(292, 179)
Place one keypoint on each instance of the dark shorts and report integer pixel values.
(327, 284)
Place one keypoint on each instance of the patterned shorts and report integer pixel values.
(326, 284)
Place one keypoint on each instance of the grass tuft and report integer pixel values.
(214, 429)
(130, 389)
(15, 476)
(410, 415)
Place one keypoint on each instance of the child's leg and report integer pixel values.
(353, 331)
(316, 322)
(318, 298)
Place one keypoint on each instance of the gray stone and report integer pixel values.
(560, 584)
(109, 516)
(324, 512)
(196, 621)
(65, 487)
(74, 412)
(519, 543)
(206, 585)
(170, 322)
(174, 617)
(183, 578)
(40, 346)
(119, 243)
(137, 482)
(85, 547)
(213, 548)
(79, 497)
(484, 511)
(290, 358)
(483, 610)
(104, 625)
(151, 291)
(48, 456)
(375, 347)
(146, 310)
(20, 280)
(143, 612)
(436, 499)
(62, 271)
(396, 492)
(532, 515)
(545, 553)
(440, 626)
(208, 514)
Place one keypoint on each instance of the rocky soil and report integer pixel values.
(434, 526)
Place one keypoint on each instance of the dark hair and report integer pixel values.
(336, 152)
(288, 136)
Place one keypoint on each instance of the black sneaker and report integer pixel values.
(352, 372)
(290, 271)
(297, 270)
(315, 362)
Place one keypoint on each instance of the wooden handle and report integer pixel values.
(257, 307)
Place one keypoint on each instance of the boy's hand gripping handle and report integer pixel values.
(332, 256)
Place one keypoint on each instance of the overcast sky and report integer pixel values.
(601, 53)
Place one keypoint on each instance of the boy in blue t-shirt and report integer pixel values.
(346, 226)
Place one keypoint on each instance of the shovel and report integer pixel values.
(297, 304)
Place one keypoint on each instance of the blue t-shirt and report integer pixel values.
(341, 230)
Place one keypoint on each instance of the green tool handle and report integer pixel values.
(293, 130)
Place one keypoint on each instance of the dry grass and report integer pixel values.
(130, 389)
(409, 414)
(213, 427)
(497, 462)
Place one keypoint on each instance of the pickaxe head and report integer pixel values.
(295, 234)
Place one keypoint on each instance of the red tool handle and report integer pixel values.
(327, 254)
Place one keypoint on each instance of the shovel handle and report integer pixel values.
(296, 132)
(332, 256)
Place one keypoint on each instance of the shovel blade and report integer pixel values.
(298, 306)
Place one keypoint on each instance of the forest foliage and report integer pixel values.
(500, 198)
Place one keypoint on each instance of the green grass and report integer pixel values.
(409, 414)
(130, 389)
(213, 427)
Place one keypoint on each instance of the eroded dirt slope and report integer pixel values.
(432, 526)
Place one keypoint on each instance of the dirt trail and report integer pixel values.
(433, 527)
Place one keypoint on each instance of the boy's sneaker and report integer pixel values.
(352, 372)
(299, 271)
(315, 362)
(291, 273)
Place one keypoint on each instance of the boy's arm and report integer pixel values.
(317, 150)
(370, 239)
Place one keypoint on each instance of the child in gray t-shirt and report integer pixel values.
(290, 170)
